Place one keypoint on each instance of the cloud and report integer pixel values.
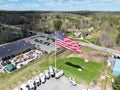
(30, 6)
(23, 6)
(5, 6)
(61, 5)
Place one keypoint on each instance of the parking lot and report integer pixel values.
(43, 43)
(50, 80)
(59, 84)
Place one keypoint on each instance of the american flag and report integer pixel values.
(67, 43)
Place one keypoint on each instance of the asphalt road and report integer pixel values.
(108, 50)
(10, 26)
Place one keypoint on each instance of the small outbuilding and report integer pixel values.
(10, 67)
(116, 68)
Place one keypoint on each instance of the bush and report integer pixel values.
(116, 84)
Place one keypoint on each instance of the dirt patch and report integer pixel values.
(91, 55)
(105, 80)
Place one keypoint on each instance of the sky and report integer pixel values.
(60, 5)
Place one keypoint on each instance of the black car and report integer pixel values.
(36, 40)
(45, 42)
(48, 44)
(41, 41)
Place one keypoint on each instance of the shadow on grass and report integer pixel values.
(73, 65)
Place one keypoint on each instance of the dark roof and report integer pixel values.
(14, 48)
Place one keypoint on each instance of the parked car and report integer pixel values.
(59, 74)
(72, 81)
(45, 42)
(37, 81)
(36, 40)
(42, 78)
(24, 87)
(51, 70)
(41, 41)
(48, 44)
(47, 75)
(31, 84)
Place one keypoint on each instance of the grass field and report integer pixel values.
(90, 72)
(92, 69)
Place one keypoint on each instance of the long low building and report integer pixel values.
(116, 68)
(14, 48)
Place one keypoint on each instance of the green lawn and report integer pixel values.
(91, 71)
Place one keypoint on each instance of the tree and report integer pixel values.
(58, 24)
(116, 84)
(24, 30)
(118, 39)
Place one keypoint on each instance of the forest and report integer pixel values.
(101, 28)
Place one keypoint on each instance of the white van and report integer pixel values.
(42, 78)
(59, 74)
(24, 87)
(31, 84)
(51, 70)
(47, 75)
(37, 80)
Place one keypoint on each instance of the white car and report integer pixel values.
(51, 70)
(47, 75)
(42, 78)
(59, 74)
(72, 81)
(24, 87)
(31, 84)
(37, 80)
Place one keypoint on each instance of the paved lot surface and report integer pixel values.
(43, 46)
(59, 84)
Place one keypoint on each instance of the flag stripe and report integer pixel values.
(69, 44)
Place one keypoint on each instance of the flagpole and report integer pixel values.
(55, 49)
